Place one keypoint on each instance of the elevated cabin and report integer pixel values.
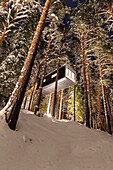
(66, 79)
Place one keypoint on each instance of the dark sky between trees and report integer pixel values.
(72, 3)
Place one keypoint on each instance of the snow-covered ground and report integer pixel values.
(42, 144)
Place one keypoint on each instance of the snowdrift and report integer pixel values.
(42, 144)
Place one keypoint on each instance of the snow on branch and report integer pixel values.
(15, 11)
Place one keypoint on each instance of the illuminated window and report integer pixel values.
(44, 80)
(73, 76)
(69, 73)
(54, 75)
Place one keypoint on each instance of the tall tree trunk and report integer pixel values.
(13, 106)
(107, 101)
(34, 88)
(55, 91)
(108, 108)
(58, 100)
(63, 111)
(52, 104)
(43, 74)
(76, 68)
(85, 84)
(75, 87)
(89, 97)
(99, 107)
(95, 118)
(68, 108)
(24, 104)
(107, 118)
(39, 93)
(61, 98)
(93, 121)
(74, 102)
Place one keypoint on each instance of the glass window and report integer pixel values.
(44, 80)
(73, 76)
(54, 75)
(69, 73)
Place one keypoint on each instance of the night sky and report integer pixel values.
(72, 3)
(69, 3)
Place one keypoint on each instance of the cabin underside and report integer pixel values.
(62, 84)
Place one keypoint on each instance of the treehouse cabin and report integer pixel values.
(66, 79)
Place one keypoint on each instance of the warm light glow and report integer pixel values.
(48, 115)
(54, 75)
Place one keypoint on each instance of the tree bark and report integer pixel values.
(35, 87)
(13, 106)
(55, 91)
(95, 117)
(75, 88)
(99, 108)
(52, 104)
(76, 68)
(3, 5)
(74, 103)
(93, 121)
(108, 109)
(107, 101)
(60, 111)
(89, 97)
(63, 111)
(107, 118)
(43, 74)
(110, 9)
(85, 84)
(24, 105)
(58, 100)
(68, 108)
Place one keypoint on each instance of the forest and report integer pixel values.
(39, 37)
(56, 84)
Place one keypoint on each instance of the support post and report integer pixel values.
(49, 105)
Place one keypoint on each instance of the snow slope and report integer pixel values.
(42, 144)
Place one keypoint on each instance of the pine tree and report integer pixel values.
(78, 105)
(14, 104)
